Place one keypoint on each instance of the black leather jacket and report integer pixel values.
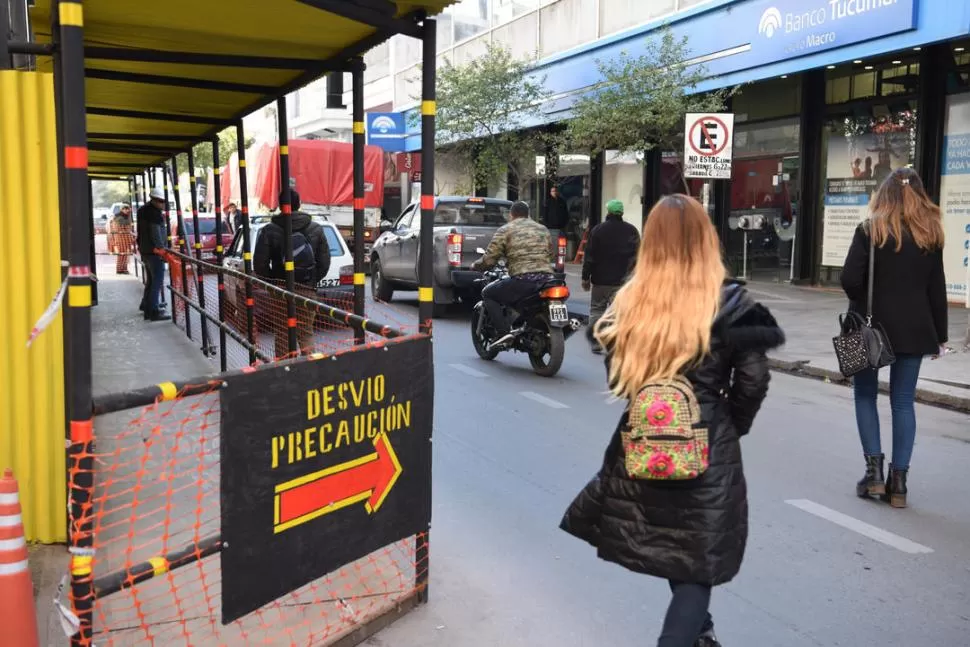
(695, 530)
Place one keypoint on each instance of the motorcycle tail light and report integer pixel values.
(347, 275)
(557, 292)
(454, 249)
(561, 255)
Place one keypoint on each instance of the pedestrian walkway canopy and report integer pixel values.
(160, 77)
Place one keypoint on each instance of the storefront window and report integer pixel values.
(862, 149)
(760, 237)
(861, 80)
(955, 198)
(623, 181)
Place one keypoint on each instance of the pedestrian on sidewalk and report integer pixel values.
(611, 253)
(909, 302)
(122, 238)
(152, 230)
(557, 214)
(311, 262)
(687, 349)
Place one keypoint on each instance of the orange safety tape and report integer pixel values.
(358, 203)
(285, 208)
(427, 202)
(291, 322)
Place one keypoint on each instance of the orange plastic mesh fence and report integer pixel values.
(157, 491)
(316, 331)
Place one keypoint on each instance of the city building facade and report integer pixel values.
(834, 94)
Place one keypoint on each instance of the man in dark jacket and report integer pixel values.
(611, 253)
(557, 214)
(152, 231)
(311, 262)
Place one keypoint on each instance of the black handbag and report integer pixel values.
(861, 344)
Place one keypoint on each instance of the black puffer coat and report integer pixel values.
(696, 530)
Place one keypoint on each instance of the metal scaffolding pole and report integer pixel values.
(426, 243)
(68, 31)
(217, 211)
(358, 142)
(428, 109)
(287, 211)
(247, 243)
(197, 245)
(180, 232)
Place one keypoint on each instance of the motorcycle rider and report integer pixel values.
(526, 246)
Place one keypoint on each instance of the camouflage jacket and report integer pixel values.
(524, 244)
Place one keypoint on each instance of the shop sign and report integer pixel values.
(323, 462)
(387, 130)
(786, 29)
(955, 198)
(708, 145)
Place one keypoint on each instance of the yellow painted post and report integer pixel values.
(32, 424)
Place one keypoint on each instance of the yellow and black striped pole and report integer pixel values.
(428, 109)
(247, 242)
(68, 31)
(220, 284)
(357, 75)
(197, 245)
(287, 212)
(180, 233)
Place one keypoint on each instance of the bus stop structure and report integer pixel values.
(128, 88)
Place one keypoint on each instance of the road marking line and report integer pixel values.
(461, 368)
(541, 399)
(861, 527)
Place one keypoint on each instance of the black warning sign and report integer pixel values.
(323, 462)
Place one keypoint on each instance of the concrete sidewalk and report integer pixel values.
(809, 317)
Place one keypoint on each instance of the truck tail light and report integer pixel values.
(561, 254)
(454, 249)
(347, 275)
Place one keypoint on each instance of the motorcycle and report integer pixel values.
(540, 325)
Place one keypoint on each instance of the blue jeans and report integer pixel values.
(902, 392)
(687, 616)
(156, 275)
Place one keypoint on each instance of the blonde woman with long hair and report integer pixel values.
(909, 302)
(686, 349)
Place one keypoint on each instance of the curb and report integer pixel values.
(804, 369)
(923, 396)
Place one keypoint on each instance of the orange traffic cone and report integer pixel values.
(18, 618)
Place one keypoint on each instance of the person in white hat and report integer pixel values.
(151, 236)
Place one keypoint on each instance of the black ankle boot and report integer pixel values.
(872, 484)
(896, 488)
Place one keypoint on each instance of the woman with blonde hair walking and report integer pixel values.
(905, 236)
(686, 349)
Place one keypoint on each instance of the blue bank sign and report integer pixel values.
(387, 130)
(782, 29)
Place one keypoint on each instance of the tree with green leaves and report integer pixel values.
(642, 101)
(485, 108)
(202, 152)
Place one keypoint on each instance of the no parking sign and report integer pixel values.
(708, 145)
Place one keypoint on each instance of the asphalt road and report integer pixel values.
(822, 567)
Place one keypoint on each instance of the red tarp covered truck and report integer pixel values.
(322, 172)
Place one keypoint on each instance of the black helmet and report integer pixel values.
(520, 209)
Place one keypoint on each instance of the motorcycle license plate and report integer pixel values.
(328, 283)
(558, 313)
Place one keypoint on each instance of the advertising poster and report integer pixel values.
(955, 196)
(857, 165)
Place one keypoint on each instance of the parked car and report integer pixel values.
(335, 289)
(461, 226)
(207, 231)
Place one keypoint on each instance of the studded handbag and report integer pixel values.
(862, 344)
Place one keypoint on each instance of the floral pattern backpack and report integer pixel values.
(665, 438)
